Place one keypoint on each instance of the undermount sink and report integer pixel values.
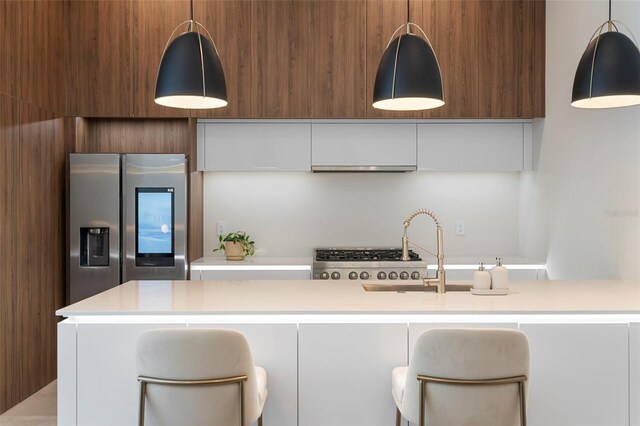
(404, 286)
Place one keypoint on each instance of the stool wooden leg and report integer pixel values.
(260, 420)
(398, 417)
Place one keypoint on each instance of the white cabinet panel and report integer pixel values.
(486, 147)
(365, 144)
(250, 275)
(242, 147)
(274, 348)
(66, 373)
(107, 389)
(634, 373)
(345, 373)
(579, 374)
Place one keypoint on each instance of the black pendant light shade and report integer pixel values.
(608, 74)
(408, 77)
(191, 75)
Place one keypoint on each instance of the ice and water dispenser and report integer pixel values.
(94, 247)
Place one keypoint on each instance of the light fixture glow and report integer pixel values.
(190, 74)
(409, 76)
(608, 74)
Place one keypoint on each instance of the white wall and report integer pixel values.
(291, 213)
(581, 207)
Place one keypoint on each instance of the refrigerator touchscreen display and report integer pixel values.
(154, 226)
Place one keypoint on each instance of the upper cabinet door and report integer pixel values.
(280, 49)
(366, 144)
(338, 83)
(153, 23)
(465, 147)
(99, 65)
(255, 147)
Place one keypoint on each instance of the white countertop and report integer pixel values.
(253, 263)
(305, 297)
(219, 263)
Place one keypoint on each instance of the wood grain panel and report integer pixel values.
(230, 24)
(99, 69)
(338, 86)
(280, 73)
(153, 23)
(195, 230)
(539, 57)
(9, 137)
(502, 67)
(383, 18)
(452, 28)
(8, 48)
(41, 62)
(135, 136)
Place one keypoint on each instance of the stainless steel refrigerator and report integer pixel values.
(127, 220)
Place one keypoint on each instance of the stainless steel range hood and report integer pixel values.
(363, 169)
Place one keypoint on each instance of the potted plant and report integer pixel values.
(236, 245)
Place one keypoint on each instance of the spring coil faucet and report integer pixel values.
(440, 278)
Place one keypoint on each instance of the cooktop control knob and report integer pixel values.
(393, 275)
(335, 275)
(324, 276)
(415, 275)
(364, 275)
(353, 275)
(404, 275)
(382, 276)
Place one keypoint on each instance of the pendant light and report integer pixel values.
(190, 74)
(608, 74)
(408, 77)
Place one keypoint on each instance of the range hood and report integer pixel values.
(363, 169)
(363, 147)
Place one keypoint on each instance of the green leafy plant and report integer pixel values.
(239, 237)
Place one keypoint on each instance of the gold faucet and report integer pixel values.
(440, 278)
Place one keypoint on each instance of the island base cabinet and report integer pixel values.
(634, 373)
(97, 373)
(579, 374)
(345, 373)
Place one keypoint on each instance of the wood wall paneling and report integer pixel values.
(134, 136)
(153, 23)
(501, 59)
(280, 73)
(9, 135)
(338, 43)
(452, 28)
(99, 68)
(383, 18)
(8, 48)
(41, 44)
(230, 23)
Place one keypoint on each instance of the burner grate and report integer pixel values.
(363, 255)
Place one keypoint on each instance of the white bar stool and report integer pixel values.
(198, 377)
(464, 377)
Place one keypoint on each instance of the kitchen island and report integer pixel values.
(329, 346)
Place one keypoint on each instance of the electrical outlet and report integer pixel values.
(459, 227)
(221, 228)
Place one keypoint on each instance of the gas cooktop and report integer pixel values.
(366, 263)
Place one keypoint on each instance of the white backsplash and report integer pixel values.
(288, 214)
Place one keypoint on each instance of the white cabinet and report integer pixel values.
(343, 145)
(474, 147)
(634, 373)
(345, 373)
(240, 274)
(254, 146)
(579, 374)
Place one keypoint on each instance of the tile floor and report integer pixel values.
(37, 410)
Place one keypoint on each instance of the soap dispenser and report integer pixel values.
(481, 279)
(499, 276)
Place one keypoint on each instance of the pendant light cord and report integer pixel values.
(191, 15)
(609, 10)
